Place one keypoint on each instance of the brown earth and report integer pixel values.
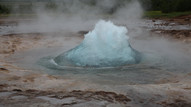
(181, 35)
(181, 20)
(21, 87)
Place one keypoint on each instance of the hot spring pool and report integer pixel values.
(105, 58)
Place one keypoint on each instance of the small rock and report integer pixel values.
(3, 69)
(18, 90)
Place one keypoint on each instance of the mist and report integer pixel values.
(73, 16)
(76, 15)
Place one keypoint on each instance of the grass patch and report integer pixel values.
(159, 14)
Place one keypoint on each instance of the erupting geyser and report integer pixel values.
(106, 46)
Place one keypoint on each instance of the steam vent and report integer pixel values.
(106, 46)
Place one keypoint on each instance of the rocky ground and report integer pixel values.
(183, 32)
(21, 87)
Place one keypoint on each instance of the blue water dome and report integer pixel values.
(105, 46)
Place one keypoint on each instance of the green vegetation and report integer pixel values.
(160, 14)
(4, 9)
(167, 6)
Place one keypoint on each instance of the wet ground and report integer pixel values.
(25, 83)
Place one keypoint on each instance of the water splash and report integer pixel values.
(106, 46)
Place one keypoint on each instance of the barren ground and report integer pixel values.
(21, 87)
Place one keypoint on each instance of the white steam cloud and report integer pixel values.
(75, 16)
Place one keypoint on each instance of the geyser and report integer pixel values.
(106, 46)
